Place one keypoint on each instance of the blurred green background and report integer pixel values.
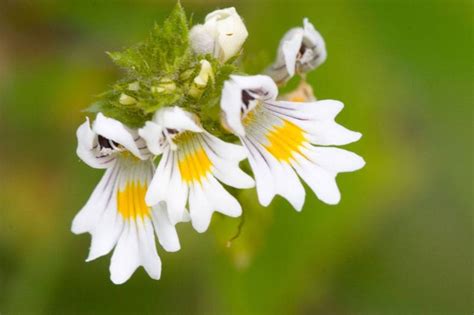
(400, 242)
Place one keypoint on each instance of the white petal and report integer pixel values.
(177, 195)
(220, 199)
(231, 103)
(320, 110)
(261, 171)
(220, 14)
(126, 258)
(229, 31)
(116, 131)
(85, 135)
(199, 208)
(135, 247)
(159, 185)
(290, 50)
(186, 216)
(107, 231)
(226, 163)
(335, 159)
(289, 186)
(88, 217)
(86, 144)
(317, 40)
(177, 118)
(263, 83)
(165, 231)
(225, 150)
(149, 258)
(201, 40)
(152, 134)
(329, 133)
(232, 35)
(325, 109)
(309, 31)
(285, 181)
(230, 173)
(317, 119)
(321, 181)
(231, 99)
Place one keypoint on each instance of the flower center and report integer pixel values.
(302, 49)
(251, 102)
(105, 143)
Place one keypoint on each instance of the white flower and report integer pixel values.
(302, 49)
(222, 34)
(116, 214)
(280, 137)
(192, 163)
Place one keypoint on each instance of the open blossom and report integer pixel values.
(280, 138)
(301, 50)
(116, 214)
(222, 34)
(192, 162)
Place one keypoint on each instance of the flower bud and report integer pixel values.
(135, 86)
(301, 50)
(222, 34)
(201, 80)
(127, 99)
(164, 86)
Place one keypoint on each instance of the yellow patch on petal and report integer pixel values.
(285, 140)
(194, 165)
(249, 118)
(131, 201)
(298, 99)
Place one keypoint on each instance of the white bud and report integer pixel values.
(202, 79)
(301, 50)
(202, 41)
(205, 74)
(222, 34)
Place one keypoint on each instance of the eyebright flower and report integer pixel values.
(222, 34)
(170, 96)
(192, 163)
(301, 50)
(280, 136)
(116, 214)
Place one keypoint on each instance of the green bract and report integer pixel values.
(159, 72)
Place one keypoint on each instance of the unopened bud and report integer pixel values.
(164, 87)
(135, 86)
(202, 79)
(127, 99)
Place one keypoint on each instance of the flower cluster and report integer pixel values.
(164, 136)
